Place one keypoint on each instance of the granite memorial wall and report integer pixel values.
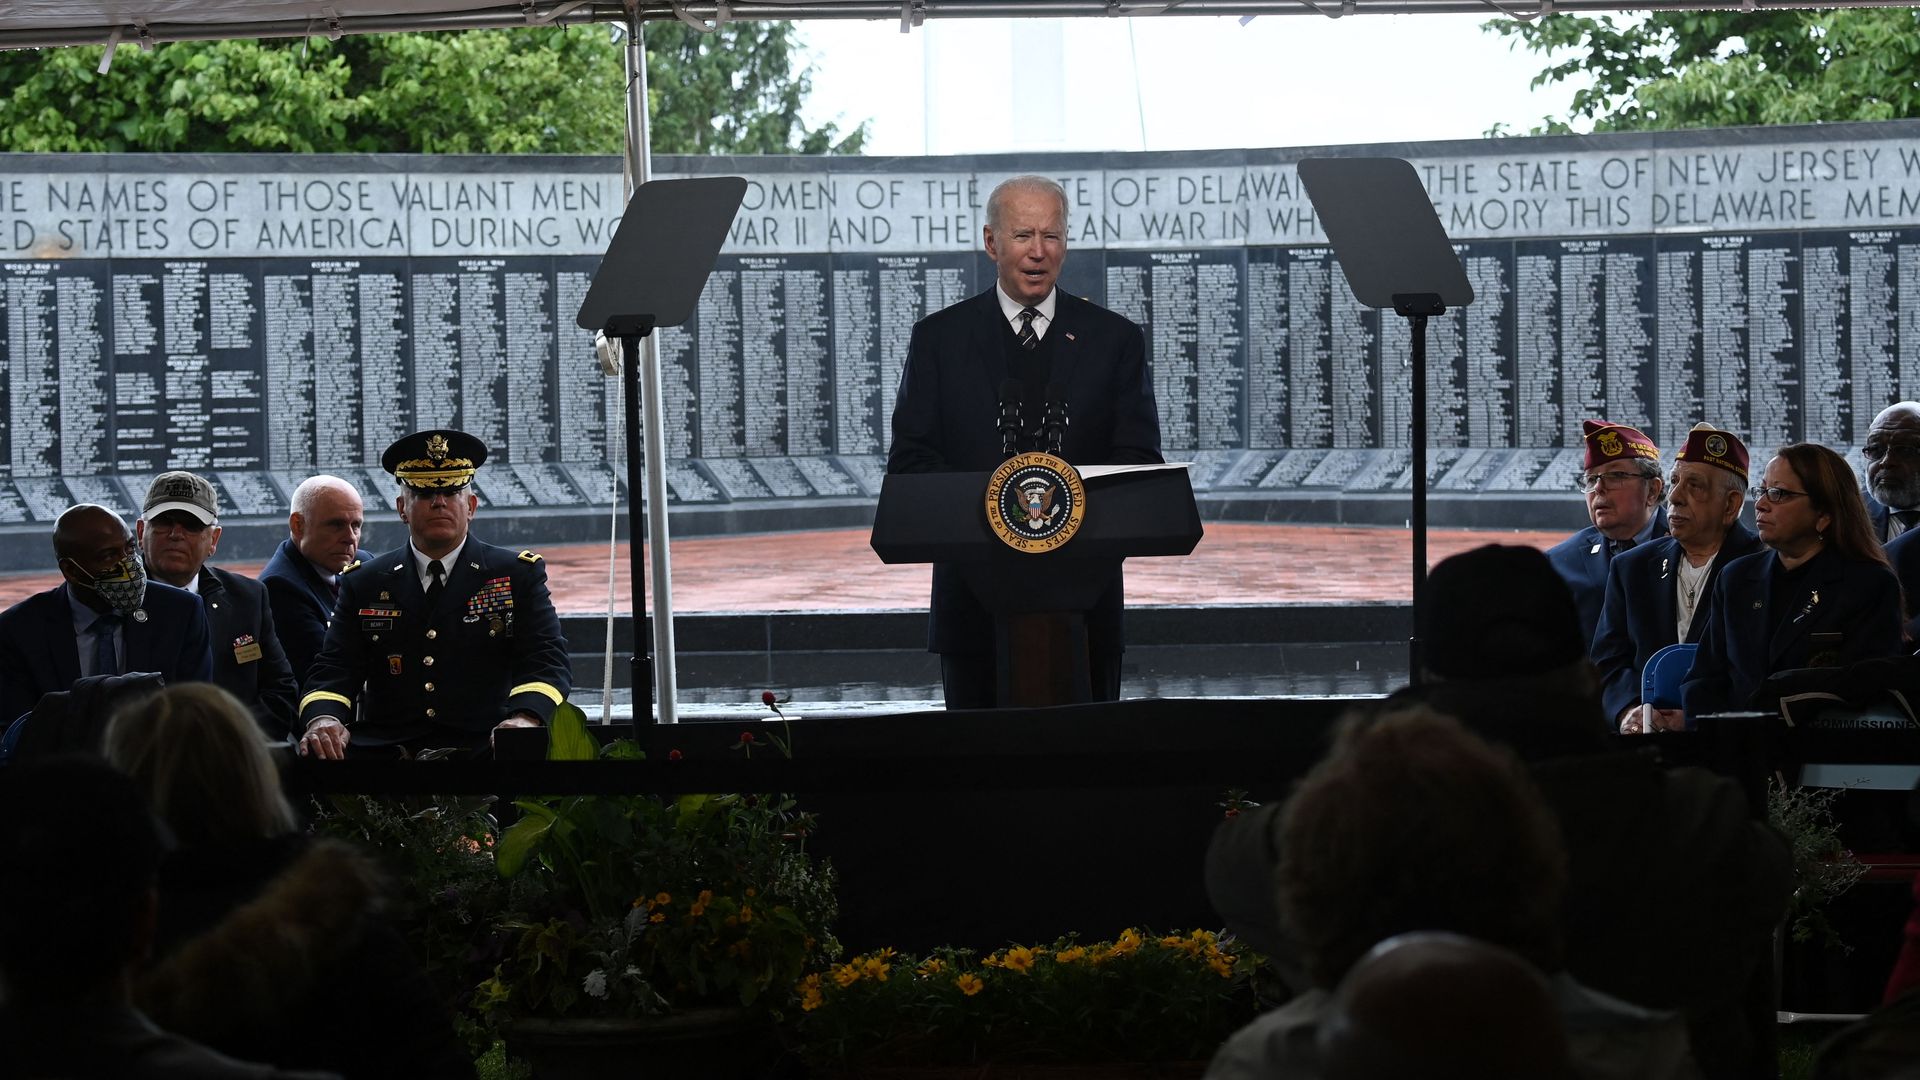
(263, 317)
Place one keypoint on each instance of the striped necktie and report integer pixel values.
(1029, 338)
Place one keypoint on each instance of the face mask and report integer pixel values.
(123, 588)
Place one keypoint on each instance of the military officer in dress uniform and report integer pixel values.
(442, 640)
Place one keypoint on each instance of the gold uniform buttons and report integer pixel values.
(428, 661)
(431, 714)
(431, 634)
(429, 688)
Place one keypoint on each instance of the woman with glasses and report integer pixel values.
(1822, 595)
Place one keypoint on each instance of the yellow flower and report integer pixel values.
(1222, 966)
(875, 967)
(662, 899)
(969, 984)
(746, 913)
(700, 902)
(992, 961)
(933, 965)
(1070, 954)
(657, 917)
(845, 975)
(811, 982)
(1173, 941)
(1019, 959)
(1128, 943)
(752, 892)
(811, 1000)
(1099, 955)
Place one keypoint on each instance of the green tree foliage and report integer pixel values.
(1688, 69)
(549, 90)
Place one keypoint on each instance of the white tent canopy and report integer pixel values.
(35, 23)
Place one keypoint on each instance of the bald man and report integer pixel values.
(1892, 451)
(105, 618)
(302, 578)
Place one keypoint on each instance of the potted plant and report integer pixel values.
(673, 924)
(1140, 1005)
(1810, 962)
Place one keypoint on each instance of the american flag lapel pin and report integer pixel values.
(1069, 334)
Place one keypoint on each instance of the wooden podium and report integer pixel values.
(1039, 601)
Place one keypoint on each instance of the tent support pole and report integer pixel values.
(665, 680)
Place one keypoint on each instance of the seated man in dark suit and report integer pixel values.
(179, 530)
(1024, 331)
(1892, 452)
(303, 577)
(1661, 592)
(1623, 488)
(105, 619)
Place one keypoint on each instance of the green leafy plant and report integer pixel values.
(1138, 997)
(1823, 868)
(651, 904)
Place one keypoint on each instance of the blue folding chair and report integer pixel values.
(1665, 671)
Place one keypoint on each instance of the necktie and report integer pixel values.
(1615, 547)
(106, 661)
(439, 581)
(1029, 338)
(333, 591)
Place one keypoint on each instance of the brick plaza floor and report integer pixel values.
(1235, 564)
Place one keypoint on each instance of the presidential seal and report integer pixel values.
(1035, 502)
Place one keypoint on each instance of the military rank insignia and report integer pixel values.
(1035, 502)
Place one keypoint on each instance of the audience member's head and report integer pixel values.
(1830, 511)
(325, 522)
(1413, 823)
(1499, 611)
(1893, 455)
(78, 906)
(1437, 1006)
(197, 755)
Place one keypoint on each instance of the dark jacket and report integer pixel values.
(276, 950)
(38, 654)
(491, 646)
(1903, 552)
(302, 604)
(1747, 640)
(1638, 836)
(945, 420)
(247, 659)
(1641, 611)
(1582, 560)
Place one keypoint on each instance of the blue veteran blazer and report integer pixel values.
(1640, 614)
(1747, 640)
(1582, 559)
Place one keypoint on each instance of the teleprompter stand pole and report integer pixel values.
(1417, 308)
(631, 330)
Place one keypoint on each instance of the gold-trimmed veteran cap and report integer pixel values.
(438, 460)
(1616, 442)
(183, 491)
(1709, 445)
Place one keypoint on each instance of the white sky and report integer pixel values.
(1192, 83)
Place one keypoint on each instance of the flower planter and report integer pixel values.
(718, 1044)
(1115, 1070)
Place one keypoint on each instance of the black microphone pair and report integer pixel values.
(1013, 410)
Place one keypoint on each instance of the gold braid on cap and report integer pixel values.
(426, 473)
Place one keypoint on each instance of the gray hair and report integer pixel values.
(1028, 183)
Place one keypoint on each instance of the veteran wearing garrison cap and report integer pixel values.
(450, 637)
(1661, 592)
(1623, 487)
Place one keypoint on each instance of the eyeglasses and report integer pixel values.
(1776, 494)
(1878, 451)
(1608, 480)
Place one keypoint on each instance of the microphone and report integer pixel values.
(1054, 424)
(1012, 404)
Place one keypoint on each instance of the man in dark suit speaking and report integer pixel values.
(1023, 333)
